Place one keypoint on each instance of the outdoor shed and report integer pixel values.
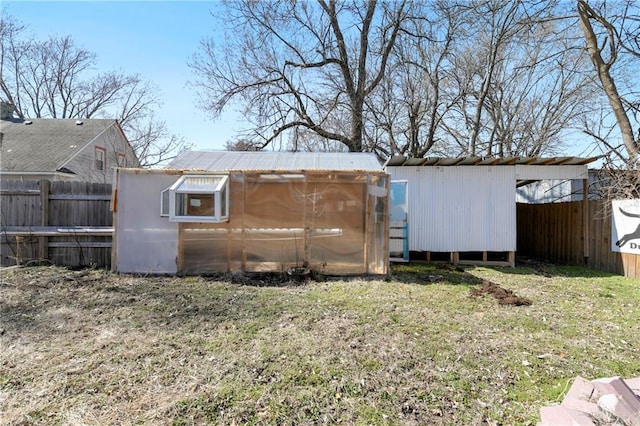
(253, 212)
(463, 210)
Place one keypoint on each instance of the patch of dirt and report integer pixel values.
(503, 295)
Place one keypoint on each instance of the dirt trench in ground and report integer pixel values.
(503, 295)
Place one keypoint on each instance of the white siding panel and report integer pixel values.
(146, 242)
(461, 208)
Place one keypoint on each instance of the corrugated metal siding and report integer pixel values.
(460, 208)
(280, 161)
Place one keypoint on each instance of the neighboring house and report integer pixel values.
(55, 149)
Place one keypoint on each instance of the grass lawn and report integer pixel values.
(90, 347)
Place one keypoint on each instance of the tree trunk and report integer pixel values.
(608, 83)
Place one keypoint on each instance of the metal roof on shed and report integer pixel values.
(398, 160)
(275, 161)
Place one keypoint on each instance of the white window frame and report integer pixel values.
(219, 193)
(100, 152)
(122, 159)
(164, 204)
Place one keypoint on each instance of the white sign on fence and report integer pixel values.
(625, 226)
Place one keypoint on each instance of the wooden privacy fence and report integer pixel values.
(554, 232)
(65, 223)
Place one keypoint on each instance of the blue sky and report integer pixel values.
(154, 39)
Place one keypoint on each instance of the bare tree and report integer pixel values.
(55, 78)
(296, 64)
(411, 104)
(539, 93)
(450, 77)
(519, 79)
(611, 41)
(304, 140)
(11, 54)
(503, 26)
(152, 141)
(486, 77)
(242, 145)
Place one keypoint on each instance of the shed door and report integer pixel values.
(399, 221)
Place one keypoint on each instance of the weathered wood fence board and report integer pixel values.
(553, 232)
(42, 208)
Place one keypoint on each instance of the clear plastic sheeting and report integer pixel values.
(333, 223)
(326, 222)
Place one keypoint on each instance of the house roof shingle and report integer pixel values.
(45, 144)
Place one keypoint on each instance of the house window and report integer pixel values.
(100, 158)
(197, 198)
(122, 160)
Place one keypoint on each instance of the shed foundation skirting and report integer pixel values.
(506, 258)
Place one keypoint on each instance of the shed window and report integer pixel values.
(194, 198)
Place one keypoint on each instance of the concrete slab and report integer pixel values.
(634, 384)
(617, 398)
(557, 415)
(579, 397)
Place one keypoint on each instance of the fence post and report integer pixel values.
(586, 224)
(43, 242)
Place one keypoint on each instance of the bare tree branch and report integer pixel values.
(54, 78)
(603, 66)
(300, 65)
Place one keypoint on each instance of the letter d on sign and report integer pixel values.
(633, 246)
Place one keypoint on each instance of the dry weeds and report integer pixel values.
(90, 347)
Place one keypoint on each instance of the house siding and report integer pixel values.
(113, 142)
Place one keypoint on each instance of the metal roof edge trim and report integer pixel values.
(400, 161)
(213, 172)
